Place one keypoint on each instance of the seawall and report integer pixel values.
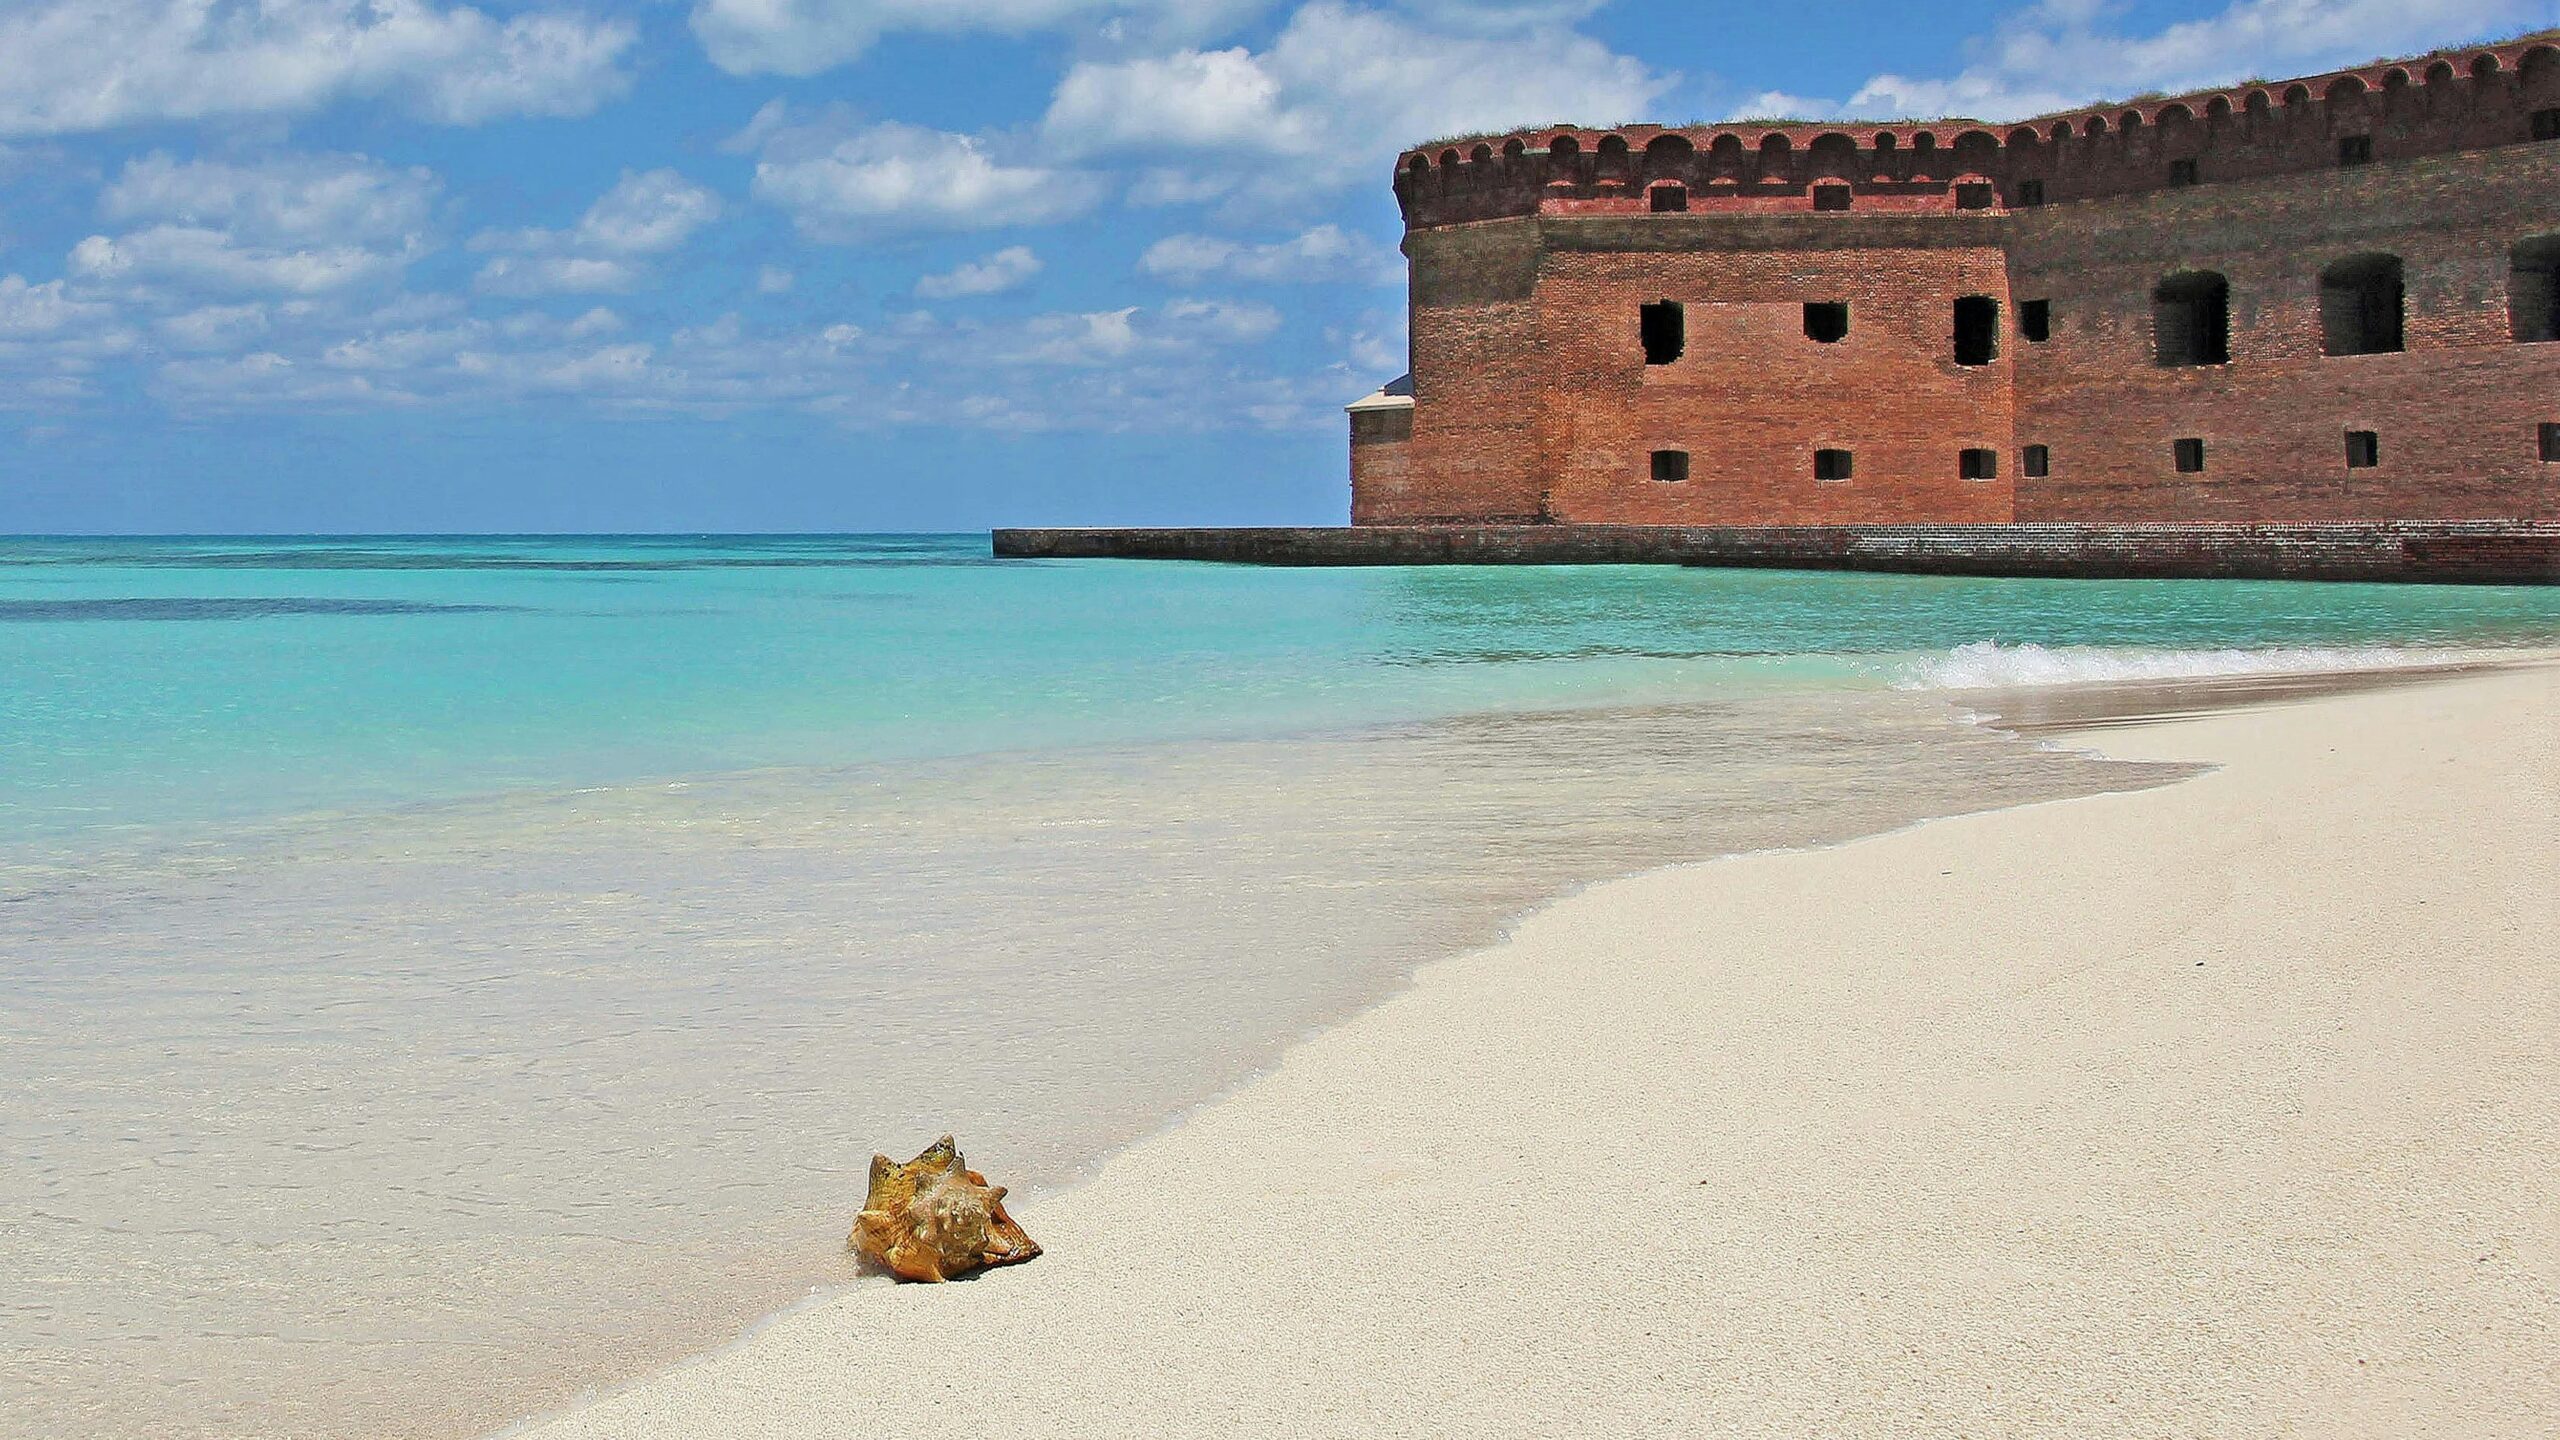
(2485, 552)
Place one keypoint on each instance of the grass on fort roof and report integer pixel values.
(2443, 50)
(1838, 121)
(1438, 140)
(1444, 141)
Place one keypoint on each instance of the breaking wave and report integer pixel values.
(1990, 665)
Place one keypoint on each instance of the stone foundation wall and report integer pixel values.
(2437, 553)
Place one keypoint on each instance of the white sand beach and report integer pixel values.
(2230, 1108)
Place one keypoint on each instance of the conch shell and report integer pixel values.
(934, 1218)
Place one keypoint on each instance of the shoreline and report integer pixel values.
(1145, 1228)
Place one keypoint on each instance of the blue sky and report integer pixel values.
(411, 265)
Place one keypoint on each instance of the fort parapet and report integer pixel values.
(2327, 299)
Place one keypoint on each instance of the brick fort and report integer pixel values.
(2325, 309)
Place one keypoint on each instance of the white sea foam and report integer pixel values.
(1990, 665)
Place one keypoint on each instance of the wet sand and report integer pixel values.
(2215, 1109)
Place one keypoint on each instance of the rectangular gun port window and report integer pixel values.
(2551, 444)
(2364, 449)
(1826, 321)
(2035, 462)
(2029, 193)
(2355, 150)
(1978, 465)
(1831, 197)
(1664, 331)
(1973, 197)
(2546, 124)
(2035, 320)
(2189, 454)
(1670, 466)
(1977, 330)
(2182, 172)
(2362, 306)
(1670, 199)
(1832, 464)
(2191, 319)
(2533, 290)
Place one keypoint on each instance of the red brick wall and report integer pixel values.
(1381, 463)
(1478, 382)
(1752, 398)
(2456, 413)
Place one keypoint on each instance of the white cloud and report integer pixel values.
(1326, 253)
(1341, 89)
(647, 214)
(1183, 330)
(403, 349)
(2055, 55)
(612, 368)
(1222, 322)
(529, 275)
(194, 258)
(266, 379)
(1779, 105)
(1005, 270)
(1501, 15)
(35, 311)
(803, 37)
(1171, 185)
(282, 224)
(839, 184)
(77, 65)
(1377, 346)
(215, 327)
(1214, 100)
(285, 199)
(52, 344)
(644, 214)
(717, 368)
(1185, 364)
(775, 280)
(1094, 338)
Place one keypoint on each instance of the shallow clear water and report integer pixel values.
(439, 975)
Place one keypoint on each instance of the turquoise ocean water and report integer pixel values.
(441, 974)
(159, 681)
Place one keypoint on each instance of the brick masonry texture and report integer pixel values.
(2455, 552)
(1532, 255)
